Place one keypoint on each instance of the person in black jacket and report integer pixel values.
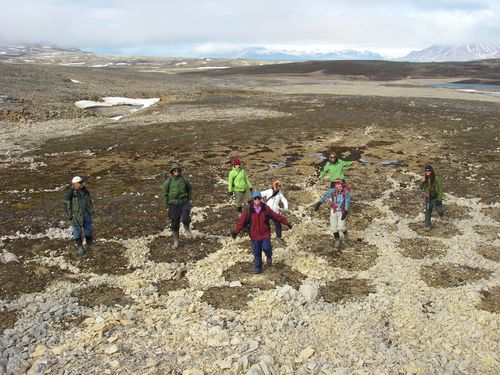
(79, 209)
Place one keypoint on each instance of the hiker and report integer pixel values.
(335, 168)
(340, 204)
(79, 209)
(273, 198)
(256, 217)
(431, 186)
(239, 185)
(176, 194)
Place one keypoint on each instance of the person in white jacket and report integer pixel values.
(274, 198)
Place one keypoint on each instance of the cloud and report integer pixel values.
(210, 23)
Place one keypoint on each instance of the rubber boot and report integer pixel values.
(79, 246)
(346, 236)
(337, 239)
(187, 230)
(90, 243)
(240, 211)
(269, 262)
(316, 206)
(175, 236)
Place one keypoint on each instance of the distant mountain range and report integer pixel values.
(462, 52)
(263, 53)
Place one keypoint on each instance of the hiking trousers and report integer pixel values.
(336, 222)
(178, 212)
(257, 248)
(242, 196)
(87, 228)
(429, 206)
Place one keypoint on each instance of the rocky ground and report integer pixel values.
(395, 299)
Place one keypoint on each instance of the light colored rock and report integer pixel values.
(235, 284)
(305, 354)
(7, 257)
(310, 292)
(224, 364)
(111, 349)
(115, 363)
(40, 351)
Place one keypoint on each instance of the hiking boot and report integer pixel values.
(257, 271)
(280, 241)
(79, 246)
(336, 236)
(90, 243)
(269, 262)
(316, 206)
(346, 236)
(175, 236)
(187, 230)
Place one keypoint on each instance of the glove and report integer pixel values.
(251, 190)
(234, 235)
(290, 226)
(344, 215)
(230, 193)
(70, 217)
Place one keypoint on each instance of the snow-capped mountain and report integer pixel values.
(462, 52)
(263, 53)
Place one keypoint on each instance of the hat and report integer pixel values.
(236, 162)
(76, 179)
(338, 181)
(429, 167)
(256, 194)
(175, 166)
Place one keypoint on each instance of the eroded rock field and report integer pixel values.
(395, 299)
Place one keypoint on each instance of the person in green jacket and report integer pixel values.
(79, 210)
(431, 186)
(335, 168)
(239, 185)
(176, 194)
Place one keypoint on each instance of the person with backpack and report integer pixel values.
(256, 218)
(79, 210)
(176, 194)
(335, 168)
(339, 209)
(431, 186)
(239, 185)
(274, 198)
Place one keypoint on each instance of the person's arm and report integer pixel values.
(67, 204)
(347, 163)
(266, 194)
(189, 189)
(324, 171)
(278, 217)
(241, 222)
(439, 188)
(247, 181)
(347, 205)
(164, 193)
(285, 202)
(230, 181)
(91, 204)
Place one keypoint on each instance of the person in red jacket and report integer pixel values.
(256, 216)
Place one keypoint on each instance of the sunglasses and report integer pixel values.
(333, 157)
(176, 170)
(428, 170)
(257, 198)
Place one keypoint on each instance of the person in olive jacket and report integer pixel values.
(176, 194)
(79, 209)
(431, 186)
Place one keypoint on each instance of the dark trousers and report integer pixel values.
(179, 211)
(87, 228)
(257, 248)
(278, 227)
(429, 205)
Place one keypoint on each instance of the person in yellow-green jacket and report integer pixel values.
(239, 185)
(431, 186)
(335, 168)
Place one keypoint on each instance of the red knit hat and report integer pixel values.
(236, 162)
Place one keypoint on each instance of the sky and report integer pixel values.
(195, 28)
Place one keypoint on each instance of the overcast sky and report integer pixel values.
(204, 27)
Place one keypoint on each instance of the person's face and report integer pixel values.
(278, 187)
(237, 166)
(77, 185)
(338, 186)
(332, 158)
(428, 172)
(257, 200)
(176, 171)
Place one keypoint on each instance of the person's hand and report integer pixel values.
(234, 235)
(230, 193)
(315, 181)
(356, 162)
(70, 217)
(423, 178)
(344, 215)
(290, 226)
(251, 190)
